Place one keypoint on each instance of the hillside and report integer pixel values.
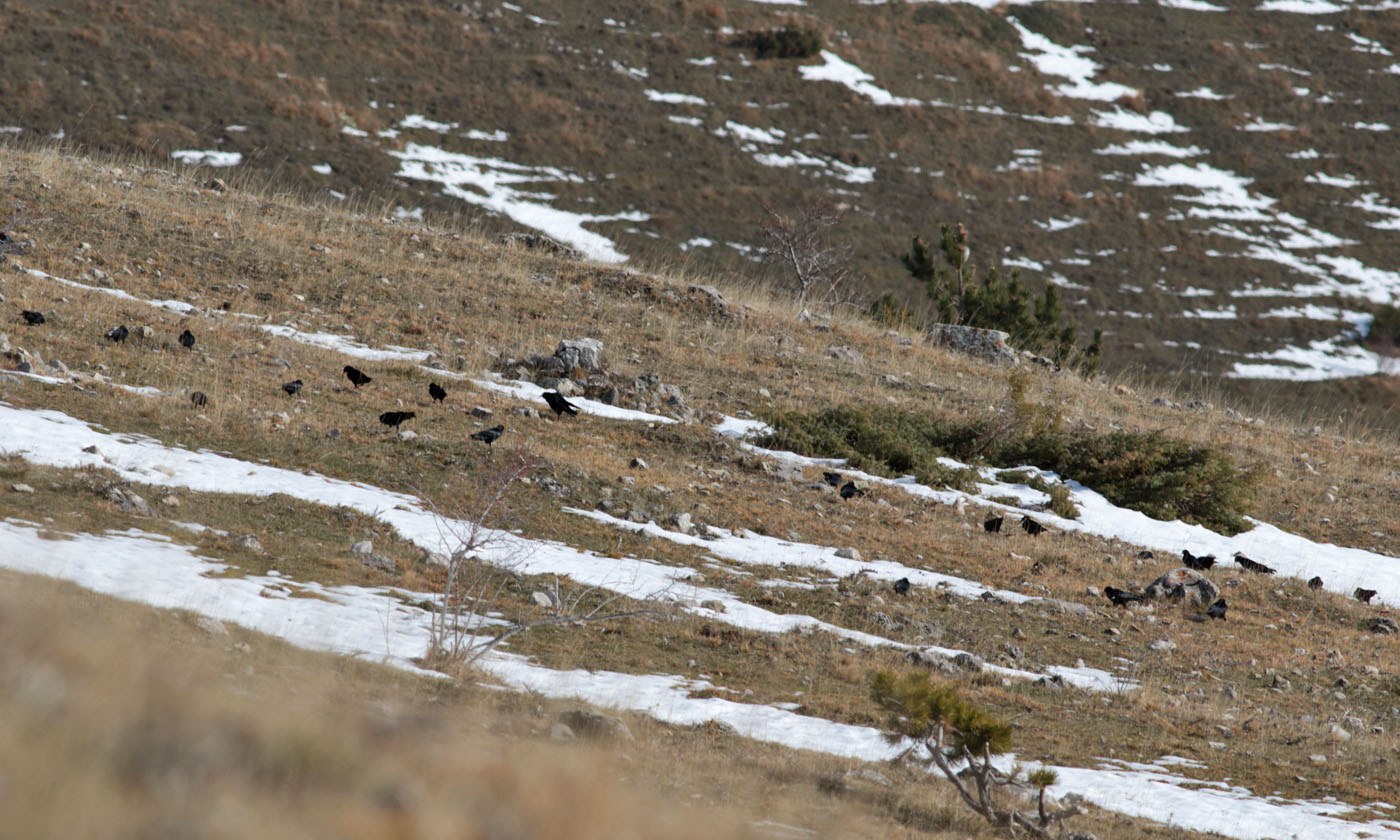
(753, 601)
(1208, 181)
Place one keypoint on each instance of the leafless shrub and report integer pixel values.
(800, 245)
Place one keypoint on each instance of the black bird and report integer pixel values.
(992, 525)
(118, 333)
(32, 318)
(488, 436)
(1030, 526)
(849, 490)
(1315, 582)
(559, 404)
(199, 400)
(832, 478)
(1119, 597)
(901, 586)
(356, 376)
(292, 388)
(1217, 610)
(187, 340)
(392, 419)
(1145, 555)
(1364, 595)
(1199, 563)
(436, 391)
(1252, 566)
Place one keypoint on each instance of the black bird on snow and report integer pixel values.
(1315, 582)
(199, 400)
(392, 419)
(1120, 597)
(1198, 562)
(992, 525)
(849, 490)
(1217, 610)
(356, 376)
(489, 436)
(118, 333)
(559, 404)
(32, 318)
(437, 392)
(1364, 595)
(1030, 526)
(901, 586)
(187, 340)
(292, 388)
(1251, 565)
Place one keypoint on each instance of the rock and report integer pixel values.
(380, 562)
(408, 434)
(21, 488)
(1337, 733)
(638, 464)
(969, 662)
(215, 184)
(1383, 625)
(1163, 645)
(170, 500)
(129, 501)
(682, 522)
(844, 353)
(592, 724)
(1067, 607)
(525, 411)
(482, 412)
(868, 775)
(250, 542)
(1317, 758)
(539, 242)
(542, 599)
(1184, 583)
(144, 332)
(848, 554)
(989, 345)
(362, 547)
(1353, 723)
(561, 732)
(585, 353)
(712, 604)
(713, 299)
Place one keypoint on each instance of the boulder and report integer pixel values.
(990, 345)
(585, 353)
(845, 353)
(592, 724)
(1184, 583)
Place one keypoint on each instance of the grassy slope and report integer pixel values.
(461, 296)
(161, 76)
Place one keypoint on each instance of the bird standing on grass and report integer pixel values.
(559, 404)
(292, 388)
(1030, 526)
(392, 419)
(1315, 582)
(901, 586)
(118, 333)
(199, 400)
(1217, 610)
(356, 376)
(489, 436)
(437, 392)
(1198, 562)
(850, 490)
(32, 318)
(992, 525)
(1120, 597)
(187, 340)
(1364, 595)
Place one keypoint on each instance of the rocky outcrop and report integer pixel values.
(1183, 583)
(984, 344)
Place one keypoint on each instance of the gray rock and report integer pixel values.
(712, 604)
(210, 625)
(592, 724)
(250, 542)
(542, 599)
(638, 464)
(539, 242)
(362, 547)
(561, 732)
(990, 345)
(712, 299)
(525, 411)
(1163, 646)
(1383, 625)
(1067, 607)
(1184, 583)
(585, 353)
(969, 662)
(682, 522)
(129, 501)
(1337, 733)
(848, 554)
(380, 562)
(21, 488)
(481, 412)
(845, 353)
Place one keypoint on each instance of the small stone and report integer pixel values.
(844, 353)
(362, 547)
(1163, 645)
(210, 625)
(250, 542)
(481, 412)
(21, 488)
(542, 599)
(525, 411)
(712, 604)
(171, 500)
(408, 434)
(968, 661)
(638, 464)
(1317, 758)
(1384, 626)
(561, 732)
(1337, 733)
(215, 184)
(594, 725)
(380, 562)
(848, 554)
(682, 522)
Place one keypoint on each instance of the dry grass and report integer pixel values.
(469, 301)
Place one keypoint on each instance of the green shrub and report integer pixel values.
(788, 42)
(1148, 472)
(887, 312)
(916, 707)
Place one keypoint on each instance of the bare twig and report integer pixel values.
(799, 244)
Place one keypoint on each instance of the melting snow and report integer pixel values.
(835, 69)
(1051, 59)
(207, 158)
(674, 98)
